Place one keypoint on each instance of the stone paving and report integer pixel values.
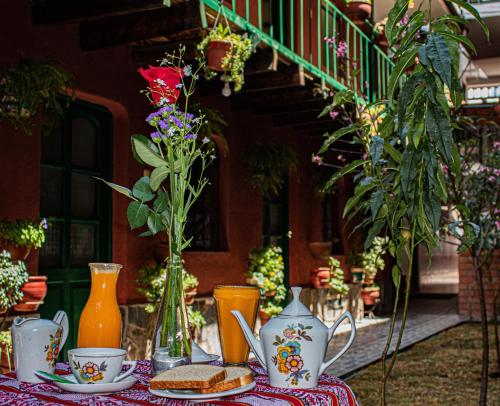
(426, 317)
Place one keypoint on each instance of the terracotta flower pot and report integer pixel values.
(216, 52)
(16, 253)
(320, 249)
(319, 277)
(369, 296)
(34, 292)
(189, 295)
(368, 280)
(358, 11)
(264, 317)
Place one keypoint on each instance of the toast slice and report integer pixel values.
(236, 377)
(189, 377)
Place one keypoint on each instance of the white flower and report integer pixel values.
(205, 140)
(160, 82)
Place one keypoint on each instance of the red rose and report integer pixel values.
(163, 82)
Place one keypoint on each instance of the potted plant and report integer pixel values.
(21, 236)
(6, 357)
(13, 276)
(226, 52)
(29, 87)
(266, 270)
(370, 294)
(196, 321)
(269, 165)
(336, 280)
(34, 291)
(358, 10)
(372, 260)
(190, 285)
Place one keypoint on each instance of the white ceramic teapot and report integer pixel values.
(37, 343)
(293, 345)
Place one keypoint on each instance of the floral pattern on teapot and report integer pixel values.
(52, 349)
(288, 358)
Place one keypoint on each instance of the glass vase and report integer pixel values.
(172, 338)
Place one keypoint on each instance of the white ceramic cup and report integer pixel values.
(99, 365)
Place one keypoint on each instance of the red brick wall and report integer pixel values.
(468, 295)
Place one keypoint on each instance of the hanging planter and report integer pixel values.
(320, 249)
(226, 52)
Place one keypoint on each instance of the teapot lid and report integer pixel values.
(296, 307)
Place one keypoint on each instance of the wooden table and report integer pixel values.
(330, 392)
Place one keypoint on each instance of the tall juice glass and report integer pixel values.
(234, 347)
(101, 322)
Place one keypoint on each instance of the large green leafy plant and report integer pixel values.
(24, 232)
(29, 87)
(408, 139)
(13, 276)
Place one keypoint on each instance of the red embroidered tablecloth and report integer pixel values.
(331, 391)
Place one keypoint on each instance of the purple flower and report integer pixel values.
(342, 49)
(156, 136)
(44, 224)
(190, 136)
(152, 117)
(404, 20)
(445, 169)
(334, 114)
(163, 124)
(176, 121)
(316, 159)
(330, 41)
(491, 179)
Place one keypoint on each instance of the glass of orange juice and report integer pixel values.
(234, 346)
(101, 322)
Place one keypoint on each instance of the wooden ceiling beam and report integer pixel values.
(119, 30)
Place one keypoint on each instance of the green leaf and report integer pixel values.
(393, 152)
(376, 200)
(155, 224)
(142, 190)
(137, 214)
(396, 275)
(374, 231)
(145, 152)
(415, 23)
(358, 194)
(406, 95)
(336, 135)
(376, 148)
(432, 207)
(459, 38)
(438, 125)
(158, 175)
(161, 202)
(438, 53)
(407, 59)
(471, 9)
(122, 189)
(396, 13)
(145, 140)
(344, 171)
(408, 169)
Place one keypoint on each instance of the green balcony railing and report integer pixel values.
(297, 29)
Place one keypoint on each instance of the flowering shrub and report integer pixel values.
(266, 270)
(337, 277)
(24, 233)
(12, 278)
(372, 260)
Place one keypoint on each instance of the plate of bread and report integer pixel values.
(202, 382)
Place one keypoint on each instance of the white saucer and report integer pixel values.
(76, 387)
(199, 356)
(190, 395)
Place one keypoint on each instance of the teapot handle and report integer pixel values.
(61, 318)
(332, 329)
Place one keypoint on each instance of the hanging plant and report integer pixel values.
(226, 52)
(269, 165)
(30, 87)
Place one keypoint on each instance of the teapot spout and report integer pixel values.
(252, 341)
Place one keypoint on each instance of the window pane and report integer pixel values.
(83, 195)
(52, 144)
(83, 143)
(50, 253)
(82, 244)
(51, 192)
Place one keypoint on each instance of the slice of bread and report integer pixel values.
(189, 377)
(236, 377)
